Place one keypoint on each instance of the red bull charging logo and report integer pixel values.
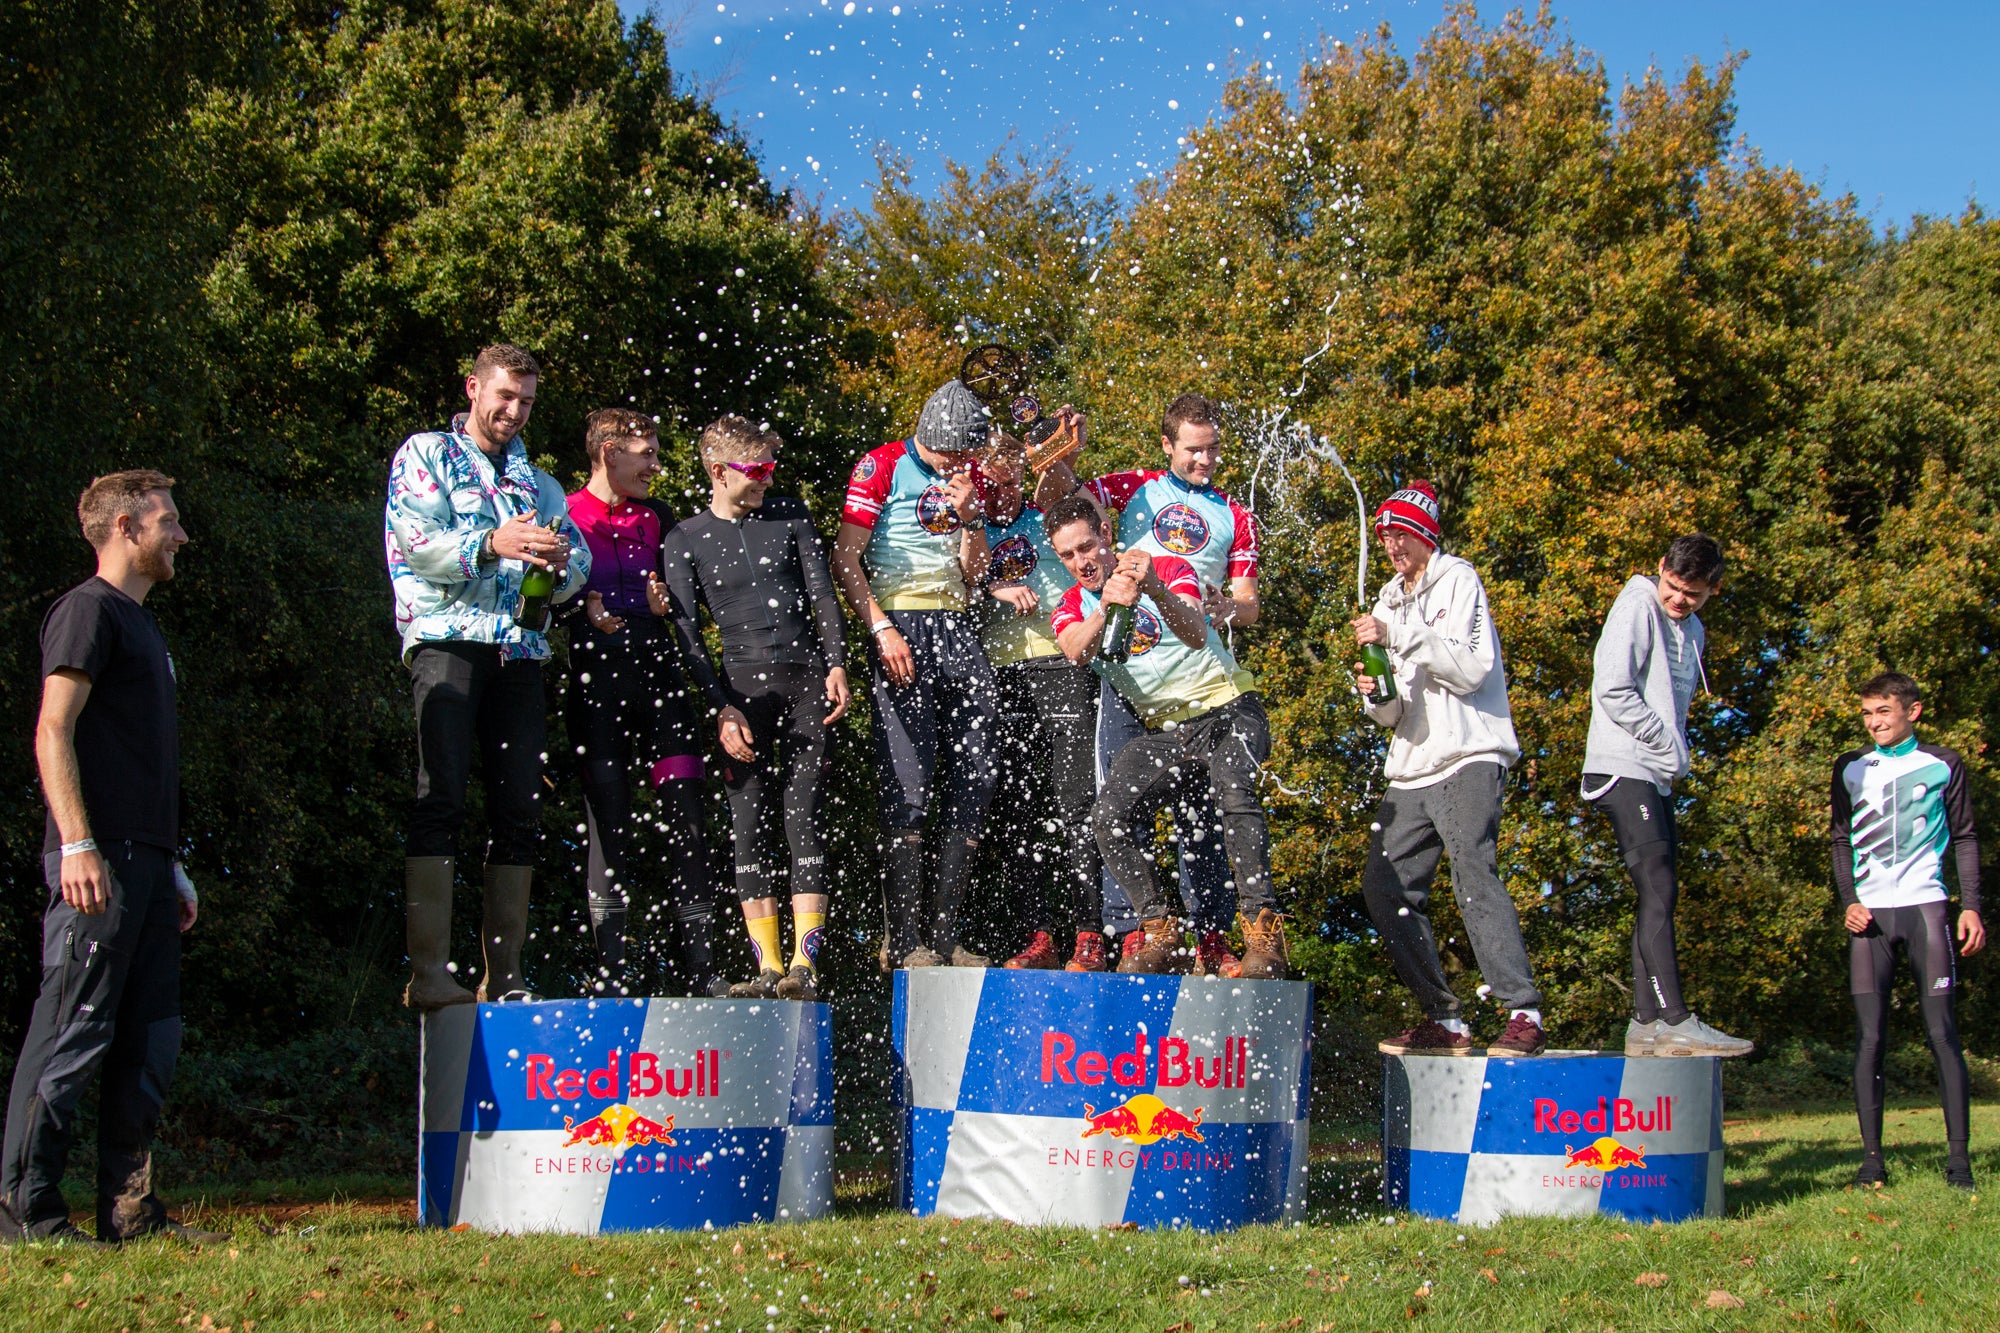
(1144, 1120)
(617, 1127)
(1606, 1154)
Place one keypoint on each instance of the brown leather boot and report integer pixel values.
(1159, 952)
(1265, 956)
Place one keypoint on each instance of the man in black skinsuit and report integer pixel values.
(756, 564)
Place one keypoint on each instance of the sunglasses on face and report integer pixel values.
(755, 471)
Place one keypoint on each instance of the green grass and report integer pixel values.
(1798, 1249)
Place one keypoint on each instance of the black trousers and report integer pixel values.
(469, 700)
(110, 1004)
(1047, 755)
(779, 791)
(1227, 746)
(627, 707)
(1650, 844)
(1923, 932)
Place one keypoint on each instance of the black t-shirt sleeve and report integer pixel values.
(1964, 832)
(1840, 830)
(827, 617)
(679, 572)
(78, 635)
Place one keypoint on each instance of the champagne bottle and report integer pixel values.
(1375, 659)
(538, 585)
(1116, 644)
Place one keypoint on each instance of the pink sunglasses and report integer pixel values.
(755, 471)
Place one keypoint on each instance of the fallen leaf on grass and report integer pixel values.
(999, 1315)
(463, 1226)
(1489, 1275)
(1650, 1280)
(1722, 1300)
(1185, 1326)
(1023, 1293)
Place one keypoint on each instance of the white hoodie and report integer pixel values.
(1450, 708)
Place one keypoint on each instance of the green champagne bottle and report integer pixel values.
(1375, 659)
(538, 585)
(1116, 644)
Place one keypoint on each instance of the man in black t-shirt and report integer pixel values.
(107, 745)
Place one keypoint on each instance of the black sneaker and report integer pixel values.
(67, 1232)
(179, 1231)
(1871, 1172)
(1958, 1175)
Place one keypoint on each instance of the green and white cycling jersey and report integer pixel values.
(1895, 811)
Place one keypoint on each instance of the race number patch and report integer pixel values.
(1180, 529)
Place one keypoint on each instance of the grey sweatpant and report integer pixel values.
(1459, 817)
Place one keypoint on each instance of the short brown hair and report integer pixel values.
(614, 423)
(114, 495)
(505, 356)
(1076, 507)
(1190, 409)
(732, 438)
(1892, 685)
(1003, 451)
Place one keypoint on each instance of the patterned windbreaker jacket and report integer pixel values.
(444, 497)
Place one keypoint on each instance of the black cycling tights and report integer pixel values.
(1924, 931)
(785, 705)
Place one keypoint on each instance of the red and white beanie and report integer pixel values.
(1413, 509)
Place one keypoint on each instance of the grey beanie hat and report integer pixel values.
(953, 421)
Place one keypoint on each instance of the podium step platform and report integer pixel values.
(1563, 1134)
(1089, 1099)
(625, 1115)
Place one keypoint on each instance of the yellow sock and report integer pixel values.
(764, 939)
(809, 927)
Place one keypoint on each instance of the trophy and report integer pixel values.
(998, 377)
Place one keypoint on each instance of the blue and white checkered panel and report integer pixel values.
(1089, 1099)
(588, 1115)
(1564, 1134)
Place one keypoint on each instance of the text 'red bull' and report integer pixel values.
(1173, 1067)
(640, 1076)
(1621, 1116)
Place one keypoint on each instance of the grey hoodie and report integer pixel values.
(1638, 718)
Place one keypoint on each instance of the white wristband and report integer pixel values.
(79, 847)
(880, 625)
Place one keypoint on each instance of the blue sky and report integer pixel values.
(1894, 102)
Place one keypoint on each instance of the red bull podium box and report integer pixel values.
(1564, 1134)
(625, 1115)
(1087, 1099)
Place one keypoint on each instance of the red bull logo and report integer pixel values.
(1180, 529)
(1620, 1116)
(1170, 1064)
(618, 1127)
(1014, 558)
(1145, 632)
(638, 1075)
(1144, 1120)
(1605, 1155)
(934, 511)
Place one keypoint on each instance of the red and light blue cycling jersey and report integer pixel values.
(1163, 678)
(1021, 554)
(913, 532)
(1161, 514)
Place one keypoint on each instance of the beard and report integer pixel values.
(155, 563)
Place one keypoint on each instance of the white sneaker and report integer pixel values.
(1691, 1036)
(1640, 1038)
